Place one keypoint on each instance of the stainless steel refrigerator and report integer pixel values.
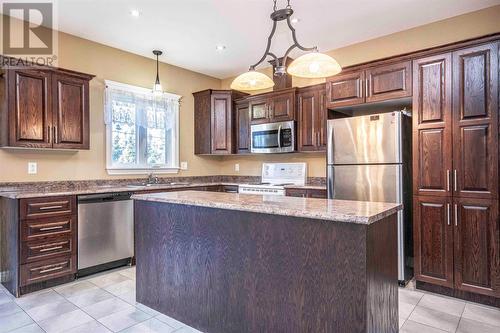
(369, 159)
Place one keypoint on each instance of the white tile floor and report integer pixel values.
(106, 303)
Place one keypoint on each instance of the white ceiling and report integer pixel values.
(189, 30)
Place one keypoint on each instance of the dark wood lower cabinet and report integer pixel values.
(306, 193)
(477, 246)
(433, 240)
(457, 243)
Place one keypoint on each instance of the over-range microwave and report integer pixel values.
(273, 137)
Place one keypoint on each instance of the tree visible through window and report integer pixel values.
(141, 128)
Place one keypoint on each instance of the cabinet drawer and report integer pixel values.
(291, 192)
(47, 269)
(55, 226)
(47, 248)
(317, 193)
(46, 207)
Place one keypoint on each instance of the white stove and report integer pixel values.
(275, 176)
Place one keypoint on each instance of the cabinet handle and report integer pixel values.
(456, 215)
(449, 213)
(51, 207)
(455, 181)
(55, 134)
(49, 134)
(448, 180)
(51, 248)
(57, 268)
(51, 228)
(366, 87)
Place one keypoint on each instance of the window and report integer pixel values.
(142, 130)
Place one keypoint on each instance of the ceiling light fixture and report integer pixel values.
(157, 88)
(135, 12)
(220, 47)
(310, 65)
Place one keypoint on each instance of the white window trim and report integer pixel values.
(113, 170)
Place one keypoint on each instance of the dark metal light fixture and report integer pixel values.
(157, 89)
(310, 65)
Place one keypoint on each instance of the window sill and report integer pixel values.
(133, 171)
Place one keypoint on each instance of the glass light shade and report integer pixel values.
(252, 80)
(157, 89)
(313, 66)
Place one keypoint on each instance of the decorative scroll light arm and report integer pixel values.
(266, 53)
(296, 43)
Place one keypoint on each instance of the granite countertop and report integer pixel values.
(360, 212)
(43, 189)
(23, 193)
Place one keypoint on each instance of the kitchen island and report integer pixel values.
(224, 262)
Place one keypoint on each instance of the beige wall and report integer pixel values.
(113, 64)
(458, 28)
(108, 63)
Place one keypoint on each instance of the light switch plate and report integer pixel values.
(184, 165)
(237, 167)
(32, 168)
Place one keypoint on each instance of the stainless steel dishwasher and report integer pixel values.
(105, 231)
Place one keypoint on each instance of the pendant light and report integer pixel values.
(310, 65)
(157, 88)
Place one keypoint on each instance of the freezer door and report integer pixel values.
(365, 140)
(381, 183)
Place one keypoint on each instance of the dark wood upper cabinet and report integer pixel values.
(272, 107)
(312, 118)
(433, 240)
(71, 117)
(221, 123)
(242, 127)
(388, 82)
(475, 121)
(29, 109)
(345, 89)
(214, 121)
(259, 110)
(432, 129)
(477, 246)
(282, 105)
(45, 108)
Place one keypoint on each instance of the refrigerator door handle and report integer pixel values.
(330, 181)
(448, 180)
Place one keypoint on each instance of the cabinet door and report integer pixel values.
(345, 89)
(71, 112)
(259, 110)
(433, 240)
(317, 193)
(30, 113)
(476, 246)
(307, 124)
(282, 106)
(243, 128)
(321, 120)
(475, 121)
(221, 124)
(432, 126)
(388, 82)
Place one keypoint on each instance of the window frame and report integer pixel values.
(140, 170)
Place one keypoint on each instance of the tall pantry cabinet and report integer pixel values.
(455, 170)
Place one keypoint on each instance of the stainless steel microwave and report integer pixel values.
(273, 137)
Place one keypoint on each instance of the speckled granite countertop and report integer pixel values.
(43, 189)
(360, 212)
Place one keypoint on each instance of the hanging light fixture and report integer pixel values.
(310, 65)
(157, 89)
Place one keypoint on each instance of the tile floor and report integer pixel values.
(106, 303)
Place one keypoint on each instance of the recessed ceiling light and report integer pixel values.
(295, 20)
(220, 47)
(135, 12)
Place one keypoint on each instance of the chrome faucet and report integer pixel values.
(152, 179)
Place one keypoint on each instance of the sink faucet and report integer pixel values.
(152, 179)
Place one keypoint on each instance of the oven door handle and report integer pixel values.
(279, 136)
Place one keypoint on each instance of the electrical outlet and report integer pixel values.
(184, 165)
(237, 167)
(32, 168)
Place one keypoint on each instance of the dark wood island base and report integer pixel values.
(221, 270)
